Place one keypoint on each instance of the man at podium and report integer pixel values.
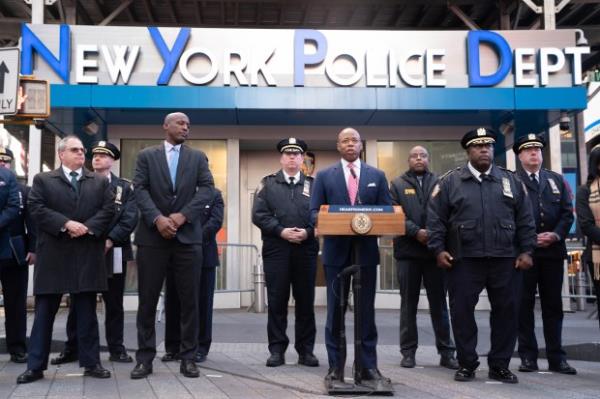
(350, 182)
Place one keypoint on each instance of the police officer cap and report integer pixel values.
(6, 155)
(291, 145)
(530, 140)
(104, 147)
(480, 135)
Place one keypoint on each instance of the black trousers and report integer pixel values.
(466, 280)
(410, 274)
(294, 265)
(183, 261)
(114, 316)
(206, 291)
(46, 306)
(547, 276)
(14, 279)
(368, 275)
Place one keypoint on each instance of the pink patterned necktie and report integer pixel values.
(352, 184)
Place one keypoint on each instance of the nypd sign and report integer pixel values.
(296, 58)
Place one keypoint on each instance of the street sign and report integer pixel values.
(9, 80)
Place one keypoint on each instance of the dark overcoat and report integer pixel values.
(65, 264)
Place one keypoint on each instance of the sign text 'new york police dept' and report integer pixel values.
(312, 58)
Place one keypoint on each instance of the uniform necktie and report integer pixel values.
(420, 180)
(534, 180)
(74, 182)
(352, 184)
(173, 162)
(483, 176)
(292, 178)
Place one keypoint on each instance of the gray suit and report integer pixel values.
(182, 255)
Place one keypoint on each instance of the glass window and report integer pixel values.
(392, 158)
(216, 151)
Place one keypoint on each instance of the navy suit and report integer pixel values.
(330, 189)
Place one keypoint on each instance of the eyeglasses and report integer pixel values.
(76, 150)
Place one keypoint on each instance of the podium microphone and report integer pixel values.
(349, 270)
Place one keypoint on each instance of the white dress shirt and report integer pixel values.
(287, 177)
(477, 173)
(346, 170)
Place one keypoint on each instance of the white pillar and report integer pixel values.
(37, 11)
(554, 149)
(234, 276)
(35, 153)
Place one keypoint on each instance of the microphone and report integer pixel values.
(349, 270)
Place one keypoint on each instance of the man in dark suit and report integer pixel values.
(14, 272)
(350, 182)
(416, 264)
(117, 248)
(73, 209)
(172, 184)
(212, 220)
(550, 198)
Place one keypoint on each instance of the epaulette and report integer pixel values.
(448, 173)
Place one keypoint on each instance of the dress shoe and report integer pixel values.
(563, 367)
(449, 362)
(502, 374)
(189, 369)
(65, 357)
(332, 375)
(308, 360)
(275, 360)
(170, 357)
(464, 374)
(30, 376)
(121, 357)
(141, 370)
(18, 357)
(374, 375)
(408, 361)
(200, 357)
(96, 371)
(528, 366)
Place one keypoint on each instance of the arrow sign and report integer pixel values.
(3, 71)
(9, 80)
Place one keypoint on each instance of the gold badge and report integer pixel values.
(554, 187)
(292, 140)
(506, 190)
(531, 136)
(102, 144)
(361, 223)
(409, 191)
(306, 189)
(481, 131)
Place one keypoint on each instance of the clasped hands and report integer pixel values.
(168, 225)
(294, 235)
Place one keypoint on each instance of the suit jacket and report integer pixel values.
(9, 209)
(123, 222)
(155, 196)
(552, 209)
(212, 220)
(65, 264)
(330, 189)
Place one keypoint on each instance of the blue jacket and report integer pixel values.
(9, 209)
(330, 189)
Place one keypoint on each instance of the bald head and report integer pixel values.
(177, 127)
(349, 144)
(418, 160)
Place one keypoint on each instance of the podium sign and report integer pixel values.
(360, 220)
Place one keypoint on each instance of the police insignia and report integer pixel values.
(436, 190)
(506, 190)
(409, 191)
(306, 189)
(553, 185)
(119, 195)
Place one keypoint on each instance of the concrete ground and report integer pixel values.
(235, 366)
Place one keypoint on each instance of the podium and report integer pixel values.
(357, 221)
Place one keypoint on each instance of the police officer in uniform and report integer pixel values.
(482, 231)
(550, 199)
(14, 272)
(117, 248)
(281, 211)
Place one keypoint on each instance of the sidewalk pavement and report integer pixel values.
(236, 366)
